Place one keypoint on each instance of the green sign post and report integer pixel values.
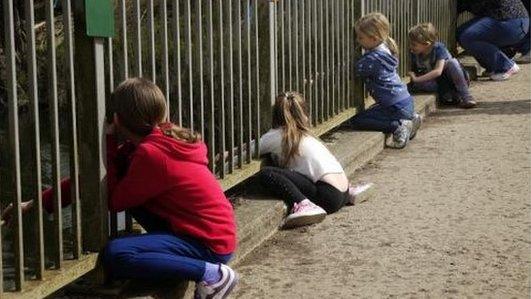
(99, 16)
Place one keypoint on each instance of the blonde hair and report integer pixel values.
(424, 33)
(376, 25)
(141, 106)
(289, 113)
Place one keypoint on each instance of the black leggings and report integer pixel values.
(294, 187)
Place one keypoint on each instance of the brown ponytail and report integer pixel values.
(179, 133)
(289, 113)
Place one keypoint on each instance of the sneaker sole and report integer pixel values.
(227, 289)
(303, 220)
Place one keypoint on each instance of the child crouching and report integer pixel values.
(434, 69)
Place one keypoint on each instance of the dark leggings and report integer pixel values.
(294, 187)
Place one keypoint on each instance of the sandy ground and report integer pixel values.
(451, 216)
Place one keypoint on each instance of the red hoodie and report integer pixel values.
(171, 179)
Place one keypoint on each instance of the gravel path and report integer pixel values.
(450, 218)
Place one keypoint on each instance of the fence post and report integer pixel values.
(272, 51)
(90, 90)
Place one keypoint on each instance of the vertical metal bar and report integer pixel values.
(74, 163)
(110, 86)
(138, 31)
(221, 108)
(14, 184)
(296, 40)
(304, 45)
(322, 73)
(249, 79)
(272, 51)
(231, 89)
(165, 59)
(188, 25)
(257, 81)
(177, 61)
(199, 60)
(151, 48)
(333, 37)
(290, 50)
(328, 70)
(350, 46)
(36, 180)
(125, 53)
(309, 96)
(240, 81)
(339, 81)
(110, 63)
(212, 107)
(315, 56)
(344, 51)
(282, 46)
(54, 121)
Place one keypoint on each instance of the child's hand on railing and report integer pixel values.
(7, 213)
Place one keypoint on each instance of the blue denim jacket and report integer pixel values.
(378, 67)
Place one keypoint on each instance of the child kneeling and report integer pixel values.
(434, 68)
(394, 111)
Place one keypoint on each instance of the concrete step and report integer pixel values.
(471, 66)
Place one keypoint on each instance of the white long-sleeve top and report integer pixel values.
(313, 161)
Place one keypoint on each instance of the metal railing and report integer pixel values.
(403, 14)
(220, 65)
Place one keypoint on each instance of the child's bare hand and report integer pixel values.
(412, 76)
(7, 213)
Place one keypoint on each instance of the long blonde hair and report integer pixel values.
(289, 113)
(141, 106)
(376, 25)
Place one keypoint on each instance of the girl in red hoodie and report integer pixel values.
(161, 175)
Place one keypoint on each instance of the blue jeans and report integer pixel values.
(158, 255)
(383, 119)
(483, 37)
(453, 73)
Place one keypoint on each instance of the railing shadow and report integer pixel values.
(491, 108)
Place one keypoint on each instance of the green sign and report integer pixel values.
(99, 15)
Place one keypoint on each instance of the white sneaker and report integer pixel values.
(304, 213)
(504, 76)
(219, 290)
(402, 134)
(355, 192)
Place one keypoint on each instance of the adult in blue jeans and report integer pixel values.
(498, 24)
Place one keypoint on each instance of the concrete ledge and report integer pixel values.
(55, 279)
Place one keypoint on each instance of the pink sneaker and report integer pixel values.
(304, 213)
(355, 192)
(504, 76)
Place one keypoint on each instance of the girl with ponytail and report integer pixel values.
(306, 176)
(393, 112)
